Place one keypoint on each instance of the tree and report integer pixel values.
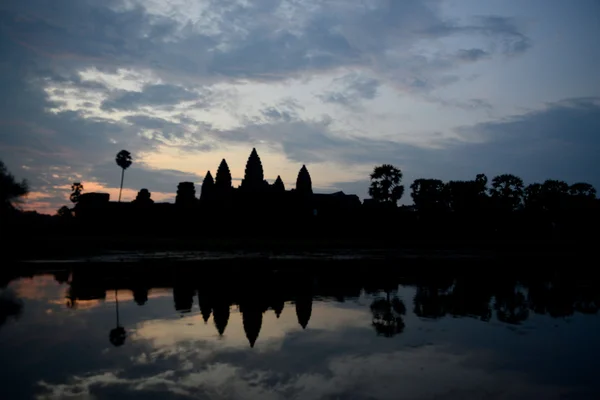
(583, 196)
(117, 335)
(76, 188)
(481, 180)
(385, 184)
(10, 190)
(124, 161)
(428, 194)
(507, 191)
(582, 189)
(533, 197)
(64, 212)
(465, 196)
(554, 194)
(388, 315)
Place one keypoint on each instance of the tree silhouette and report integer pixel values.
(117, 335)
(64, 212)
(10, 190)
(554, 194)
(582, 189)
(466, 196)
(430, 302)
(533, 198)
(507, 191)
(510, 304)
(387, 315)
(385, 184)
(583, 196)
(76, 189)
(428, 194)
(124, 161)
(481, 180)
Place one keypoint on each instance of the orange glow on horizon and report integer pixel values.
(35, 200)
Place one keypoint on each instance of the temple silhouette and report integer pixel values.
(219, 200)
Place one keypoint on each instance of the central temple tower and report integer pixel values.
(254, 178)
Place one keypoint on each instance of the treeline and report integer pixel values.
(507, 193)
(501, 210)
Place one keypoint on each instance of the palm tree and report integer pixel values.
(507, 191)
(385, 184)
(76, 188)
(124, 161)
(388, 315)
(117, 335)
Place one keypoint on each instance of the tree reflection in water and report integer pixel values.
(117, 335)
(388, 315)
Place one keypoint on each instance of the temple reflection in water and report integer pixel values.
(510, 298)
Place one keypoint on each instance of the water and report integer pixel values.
(90, 331)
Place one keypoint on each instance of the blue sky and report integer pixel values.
(440, 88)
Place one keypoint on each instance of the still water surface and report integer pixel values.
(179, 333)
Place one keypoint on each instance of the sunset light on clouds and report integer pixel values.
(440, 88)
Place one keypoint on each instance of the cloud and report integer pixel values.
(472, 55)
(140, 176)
(359, 376)
(507, 37)
(151, 95)
(469, 104)
(269, 41)
(313, 141)
(355, 88)
(559, 141)
(88, 78)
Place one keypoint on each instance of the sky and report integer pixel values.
(439, 88)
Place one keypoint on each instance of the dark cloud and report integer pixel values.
(160, 126)
(151, 95)
(245, 40)
(355, 88)
(312, 141)
(470, 104)
(472, 55)
(50, 43)
(560, 141)
(507, 37)
(273, 114)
